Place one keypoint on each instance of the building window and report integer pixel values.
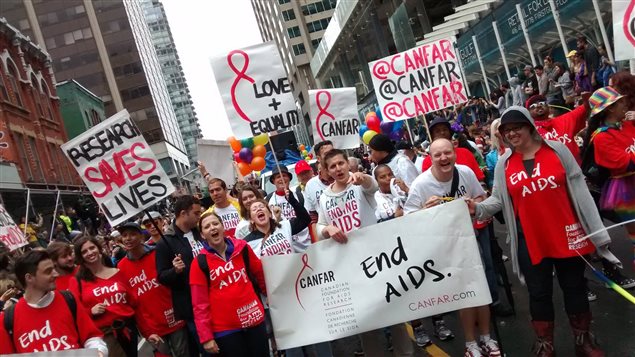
(128, 69)
(50, 43)
(132, 93)
(26, 166)
(46, 100)
(281, 2)
(13, 84)
(293, 31)
(39, 171)
(318, 7)
(35, 94)
(61, 169)
(318, 25)
(316, 42)
(299, 49)
(168, 165)
(288, 15)
(94, 116)
(4, 95)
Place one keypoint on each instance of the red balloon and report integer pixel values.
(373, 123)
(237, 157)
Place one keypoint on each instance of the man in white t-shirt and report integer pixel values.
(226, 208)
(446, 181)
(345, 206)
(317, 184)
(281, 178)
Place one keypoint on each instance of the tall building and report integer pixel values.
(297, 27)
(105, 45)
(174, 77)
(81, 109)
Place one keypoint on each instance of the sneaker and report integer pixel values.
(358, 352)
(443, 333)
(619, 279)
(504, 257)
(490, 348)
(421, 337)
(591, 296)
(474, 351)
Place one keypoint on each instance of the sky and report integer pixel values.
(203, 29)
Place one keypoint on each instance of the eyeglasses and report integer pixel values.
(538, 104)
(508, 129)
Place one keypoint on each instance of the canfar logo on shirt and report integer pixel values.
(310, 280)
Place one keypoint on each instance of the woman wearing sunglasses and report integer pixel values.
(548, 209)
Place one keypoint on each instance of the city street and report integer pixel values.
(613, 325)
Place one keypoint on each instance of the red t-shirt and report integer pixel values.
(563, 129)
(113, 292)
(49, 328)
(463, 157)
(232, 300)
(615, 149)
(62, 281)
(542, 204)
(154, 310)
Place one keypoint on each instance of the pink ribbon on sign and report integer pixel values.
(240, 75)
(323, 110)
(305, 262)
(628, 27)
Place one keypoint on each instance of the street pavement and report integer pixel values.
(613, 323)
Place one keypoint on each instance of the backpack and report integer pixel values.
(596, 175)
(202, 264)
(10, 312)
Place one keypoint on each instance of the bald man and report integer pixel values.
(434, 187)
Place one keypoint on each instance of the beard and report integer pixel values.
(66, 269)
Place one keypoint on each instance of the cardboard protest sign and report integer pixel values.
(10, 234)
(423, 264)
(118, 167)
(418, 81)
(255, 90)
(624, 29)
(334, 117)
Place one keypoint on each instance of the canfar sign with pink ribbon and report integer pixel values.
(334, 116)
(10, 234)
(418, 81)
(255, 90)
(423, 264)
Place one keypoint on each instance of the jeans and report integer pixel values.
(249, 342)
(539, 279)
(484, 245)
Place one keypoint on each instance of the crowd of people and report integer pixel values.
(188, 279)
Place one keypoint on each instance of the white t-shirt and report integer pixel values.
(302, 240)
(403, 168)
(230, 217)
(242, 229)
(280, 242)
(349, 210)
(312, 192)
(426, 186)
(419, 163)
(194, 244)
(386, 205)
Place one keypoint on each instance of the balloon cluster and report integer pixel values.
(375, 125)
(305, 152)
(249, 153)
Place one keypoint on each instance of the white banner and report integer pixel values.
(423, 264)
(10, 234)
(256, 91)
(118, 167)
(334, 117)
(67, 353)
(624, 29)
(418, 81)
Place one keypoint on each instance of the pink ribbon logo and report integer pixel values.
(240, 75)
(628, 23)
(305, 262)
(323, 108)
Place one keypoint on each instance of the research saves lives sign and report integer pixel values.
(423, 264)
(334, 117)
(118, 167)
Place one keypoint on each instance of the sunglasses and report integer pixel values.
(539, 104)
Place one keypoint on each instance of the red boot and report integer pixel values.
(543, 347)
(585, 345)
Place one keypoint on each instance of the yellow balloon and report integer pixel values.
(261, 139)
(369, 134)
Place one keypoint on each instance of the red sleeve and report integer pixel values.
(427, 163)
(6, 345)
(572, 122)
(86, 326)
(74, 288)
(469, 160)
(200, 303)
(611, 156)
(255, 265)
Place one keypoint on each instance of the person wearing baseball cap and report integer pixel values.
(562, 128)
(151, 224)
(304, 173)
(382, 151)
(530, 85)
(611, 140)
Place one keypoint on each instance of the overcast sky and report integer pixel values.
(203, 29)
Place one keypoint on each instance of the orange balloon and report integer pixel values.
(259, 151)
(234, 143)
(258, 163)
(244, 168)
(302, 147)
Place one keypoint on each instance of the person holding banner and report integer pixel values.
(391, 194)
(45, 319)
(527, 181)
(315, 186)
(104, 291)
(382, 151)
(345, 206)
(446, 181)
(226, 281)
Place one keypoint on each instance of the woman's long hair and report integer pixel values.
(273, 224)
(244, 212)
(84, 273)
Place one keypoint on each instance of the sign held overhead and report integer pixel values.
(334, 116)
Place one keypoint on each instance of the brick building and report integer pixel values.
(31, 127)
